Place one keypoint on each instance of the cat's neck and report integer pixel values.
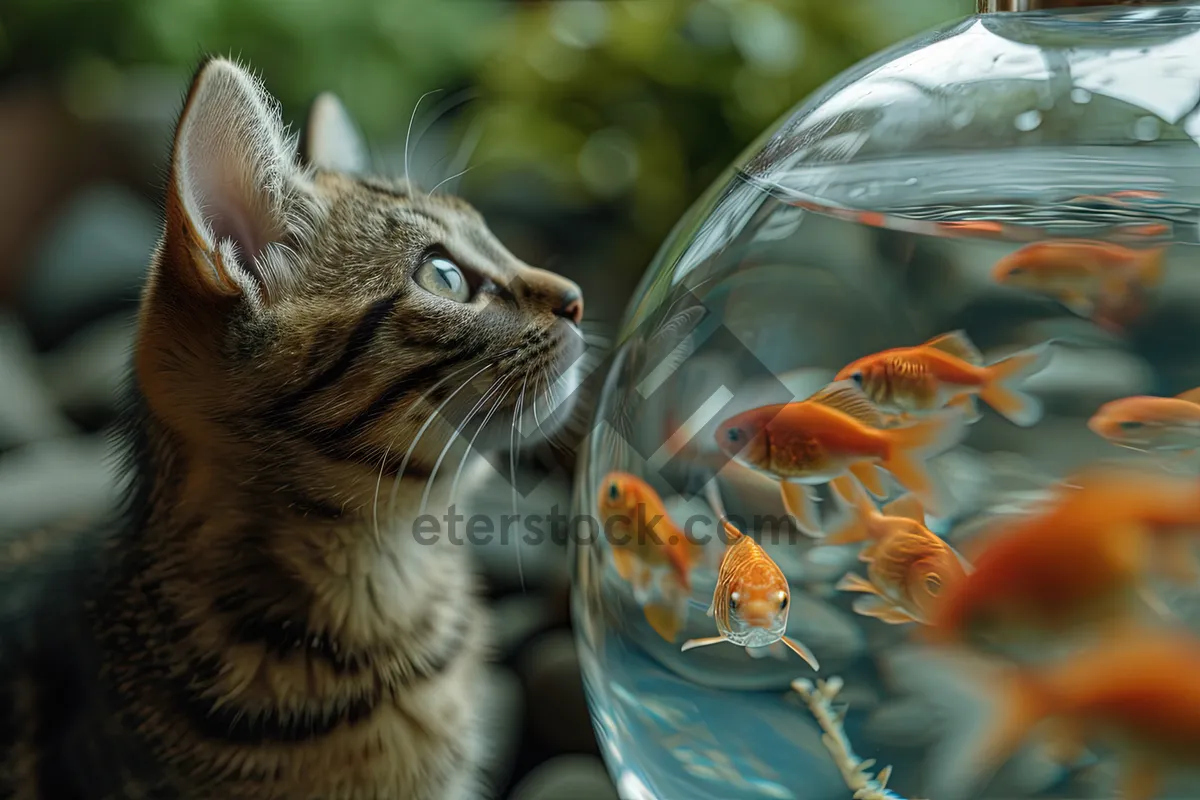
(223, 534)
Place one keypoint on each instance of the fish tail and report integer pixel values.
(1190, 396)
(1020, 701)
(858, 518)
(1150, 266)
(669, 615)
(911, 447)
(1002, 390)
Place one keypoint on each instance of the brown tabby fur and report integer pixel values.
(262, 623)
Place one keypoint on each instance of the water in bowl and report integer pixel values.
(1084, 253)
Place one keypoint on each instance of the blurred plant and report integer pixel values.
(379, 55)
(639, 104)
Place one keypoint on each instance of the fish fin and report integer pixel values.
(691, 644)
(843, 486)
(844, 396)
(1150, 266)
(802, 651)
(959, 345)
(969, 405)
(853, 582)
(880, 609)
(1002, 390)
(1078, 303)
(1141, 778)
(1020, 703)
(643, 582)
(1065, 740)
(855, 530)
(859, 513)
(870, 476)
(624, 562)
(1190, 396)
(680, 559)
(906, 507)
(662, 620)
(909, 448)
(798, 502)
(1177, 559)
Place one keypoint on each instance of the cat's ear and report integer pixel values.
(232, 198)
(331, 140)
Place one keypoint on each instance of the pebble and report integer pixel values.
(503, 711)
(557, 705)
(55, 479)
(570, 777)
(28, 412)
(516, 618)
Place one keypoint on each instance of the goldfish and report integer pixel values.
(909, 566)
(1090, 278)
(750, 600)
(1135, 692)
(1151, 423)
(645, 540)
(834, 434)
(948, 370)
(1075, 562)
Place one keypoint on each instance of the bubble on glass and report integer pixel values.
(1147, 129)
(1080, 96)
(1028, 120)
(961, 118)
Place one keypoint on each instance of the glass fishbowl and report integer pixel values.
(901, 424)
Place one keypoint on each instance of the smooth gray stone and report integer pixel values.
(517, 617)
(87, 371)
(571, 777)
(28, 412)
(96, 251)
(558, 710)
(55, 480)
(503, 723)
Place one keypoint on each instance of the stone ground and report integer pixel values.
(62, 354)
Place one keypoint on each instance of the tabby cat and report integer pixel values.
(264, 623)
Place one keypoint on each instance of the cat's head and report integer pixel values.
(302, 311)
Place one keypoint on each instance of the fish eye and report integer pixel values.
(614, 491)
(1016, 271)
(1130, 425)
(857, 377)
(733, 602)
(933, 584)
(733, 435)
(783, 602)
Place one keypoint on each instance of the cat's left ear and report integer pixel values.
(236, 201)
(331, 140)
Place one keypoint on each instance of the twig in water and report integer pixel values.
(819, 699)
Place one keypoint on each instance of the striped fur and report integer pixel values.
(262, 622)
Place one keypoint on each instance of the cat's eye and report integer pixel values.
(441, 276)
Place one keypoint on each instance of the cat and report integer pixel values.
(263, 622)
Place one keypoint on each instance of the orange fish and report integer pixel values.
(949, 370)
(750, 600)
(909, 566)
(1151, 423)
(1136, 693)
(644, 541)
(1077, 561)
(832, 435)
(1086, 276)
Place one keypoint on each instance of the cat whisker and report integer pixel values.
(512, 478)
(455, 435)
(458, 174)
(408, 135)
(466, 150)
(434, 414)
(375, 501)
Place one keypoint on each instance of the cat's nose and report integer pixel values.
(570, 305)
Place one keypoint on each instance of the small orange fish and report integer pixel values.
(832, 435)
(645, 540)
(909, 566)
(1077, 561)
(948, 370)
(1151, 423)
(750, 600)
(1085, 276)
(1136, 692)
